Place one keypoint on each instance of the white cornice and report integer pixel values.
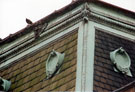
(84, 12)
(36, 47)
(113, 21)
(53, 29)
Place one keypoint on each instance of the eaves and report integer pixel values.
(57, 22)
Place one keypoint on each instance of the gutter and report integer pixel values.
(126, 87)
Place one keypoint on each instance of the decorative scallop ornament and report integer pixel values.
(121, 61)
(54, 63)
(4, 85)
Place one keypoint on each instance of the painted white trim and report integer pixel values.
(85, 57)
(90, 58)
(105, 17)
(6, 63)
(79, 58)
(114, 31)
(13, 44)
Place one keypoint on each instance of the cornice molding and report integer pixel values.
(83, 13)
(112, 21)
(11, 55)
(53, 29)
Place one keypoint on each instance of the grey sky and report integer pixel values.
(14, 12)
(127, 4)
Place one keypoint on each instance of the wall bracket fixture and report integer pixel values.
(54, 63)
(4, 85)
(121, 61)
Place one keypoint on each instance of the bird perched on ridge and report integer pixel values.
(29, 21)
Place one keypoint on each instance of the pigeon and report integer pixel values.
(28, 21)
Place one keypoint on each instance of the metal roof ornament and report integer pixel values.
(85, 13)
(121, 61)
(4, 85)
(54, 63)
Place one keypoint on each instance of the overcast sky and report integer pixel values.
(14, 12)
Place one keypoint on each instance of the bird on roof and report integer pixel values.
(29, 21)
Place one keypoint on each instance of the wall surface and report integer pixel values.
(105, 79)
(29, 73)
(87, 50)
(129, 90)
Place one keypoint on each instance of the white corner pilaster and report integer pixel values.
(85, 57)
(85, 53)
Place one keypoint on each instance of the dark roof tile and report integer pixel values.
(104, 73)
